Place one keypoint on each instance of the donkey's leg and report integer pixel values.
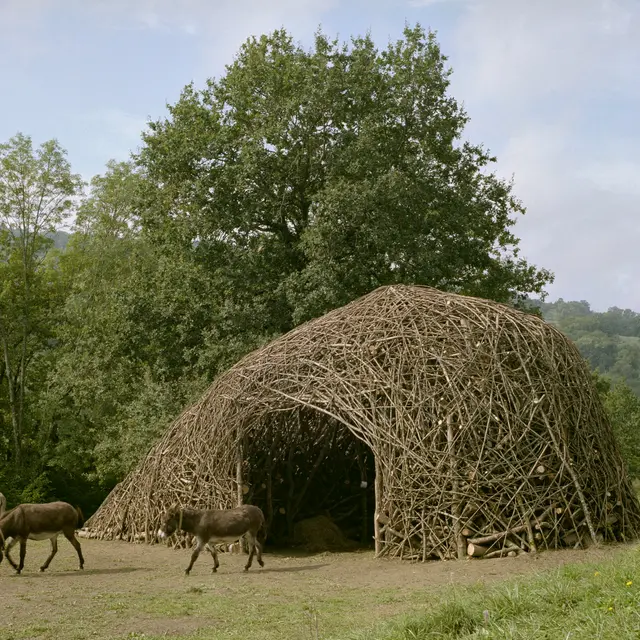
(8, 548)
(71, 537)
(54, 550)
(252, 549)
(259, 553)
(23, 553)
(214, 555)
(194, 555)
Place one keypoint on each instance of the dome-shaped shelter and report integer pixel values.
(451, 424)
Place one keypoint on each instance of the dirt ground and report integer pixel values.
(136, 591)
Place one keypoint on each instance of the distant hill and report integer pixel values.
(609, 340)
(60, 239)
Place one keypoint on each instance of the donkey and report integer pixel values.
(214, 526)
(40, 522)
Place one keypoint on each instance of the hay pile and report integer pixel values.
(320, 533)
(473, 428)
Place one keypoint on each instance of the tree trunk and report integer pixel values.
(15, 414)
(455, 493)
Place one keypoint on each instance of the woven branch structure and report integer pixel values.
(454, 425)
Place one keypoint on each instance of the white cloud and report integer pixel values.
(16, 14)
(616, 176)
(222, 27)
(21, 23)
(515, 50)
(117, 122)
(217, 17)
(581, 219)
(112, 132)
(540, 80)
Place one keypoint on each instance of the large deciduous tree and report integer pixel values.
(308, 178)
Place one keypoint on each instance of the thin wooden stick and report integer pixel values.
(563, 456)
(527, 522)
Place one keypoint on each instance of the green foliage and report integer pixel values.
(110, 209)
(24, 485)
(38, 490)
(623, 407)
(36, 194)
(127, 340)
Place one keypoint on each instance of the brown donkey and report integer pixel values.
(211, 527)
(40, 522)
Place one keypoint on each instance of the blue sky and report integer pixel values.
(552, 88)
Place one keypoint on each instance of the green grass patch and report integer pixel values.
(576, 602)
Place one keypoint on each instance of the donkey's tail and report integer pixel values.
(262, 531)
(80, 518)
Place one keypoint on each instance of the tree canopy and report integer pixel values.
(322, 174)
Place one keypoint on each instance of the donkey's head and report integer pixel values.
(171, 521)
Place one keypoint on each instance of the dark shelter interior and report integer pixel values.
(301, 464)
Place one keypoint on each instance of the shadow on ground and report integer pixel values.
(78, 572)
(305, 567)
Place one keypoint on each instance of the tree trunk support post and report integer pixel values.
(455, 494)
(239, 481)
(378, 510)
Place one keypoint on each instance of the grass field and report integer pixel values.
(137, 591)
(581, 601)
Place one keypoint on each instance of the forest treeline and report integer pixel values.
(296, 182)
(610, 340)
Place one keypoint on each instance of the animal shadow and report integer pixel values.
(92, 572)
(306, 567)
